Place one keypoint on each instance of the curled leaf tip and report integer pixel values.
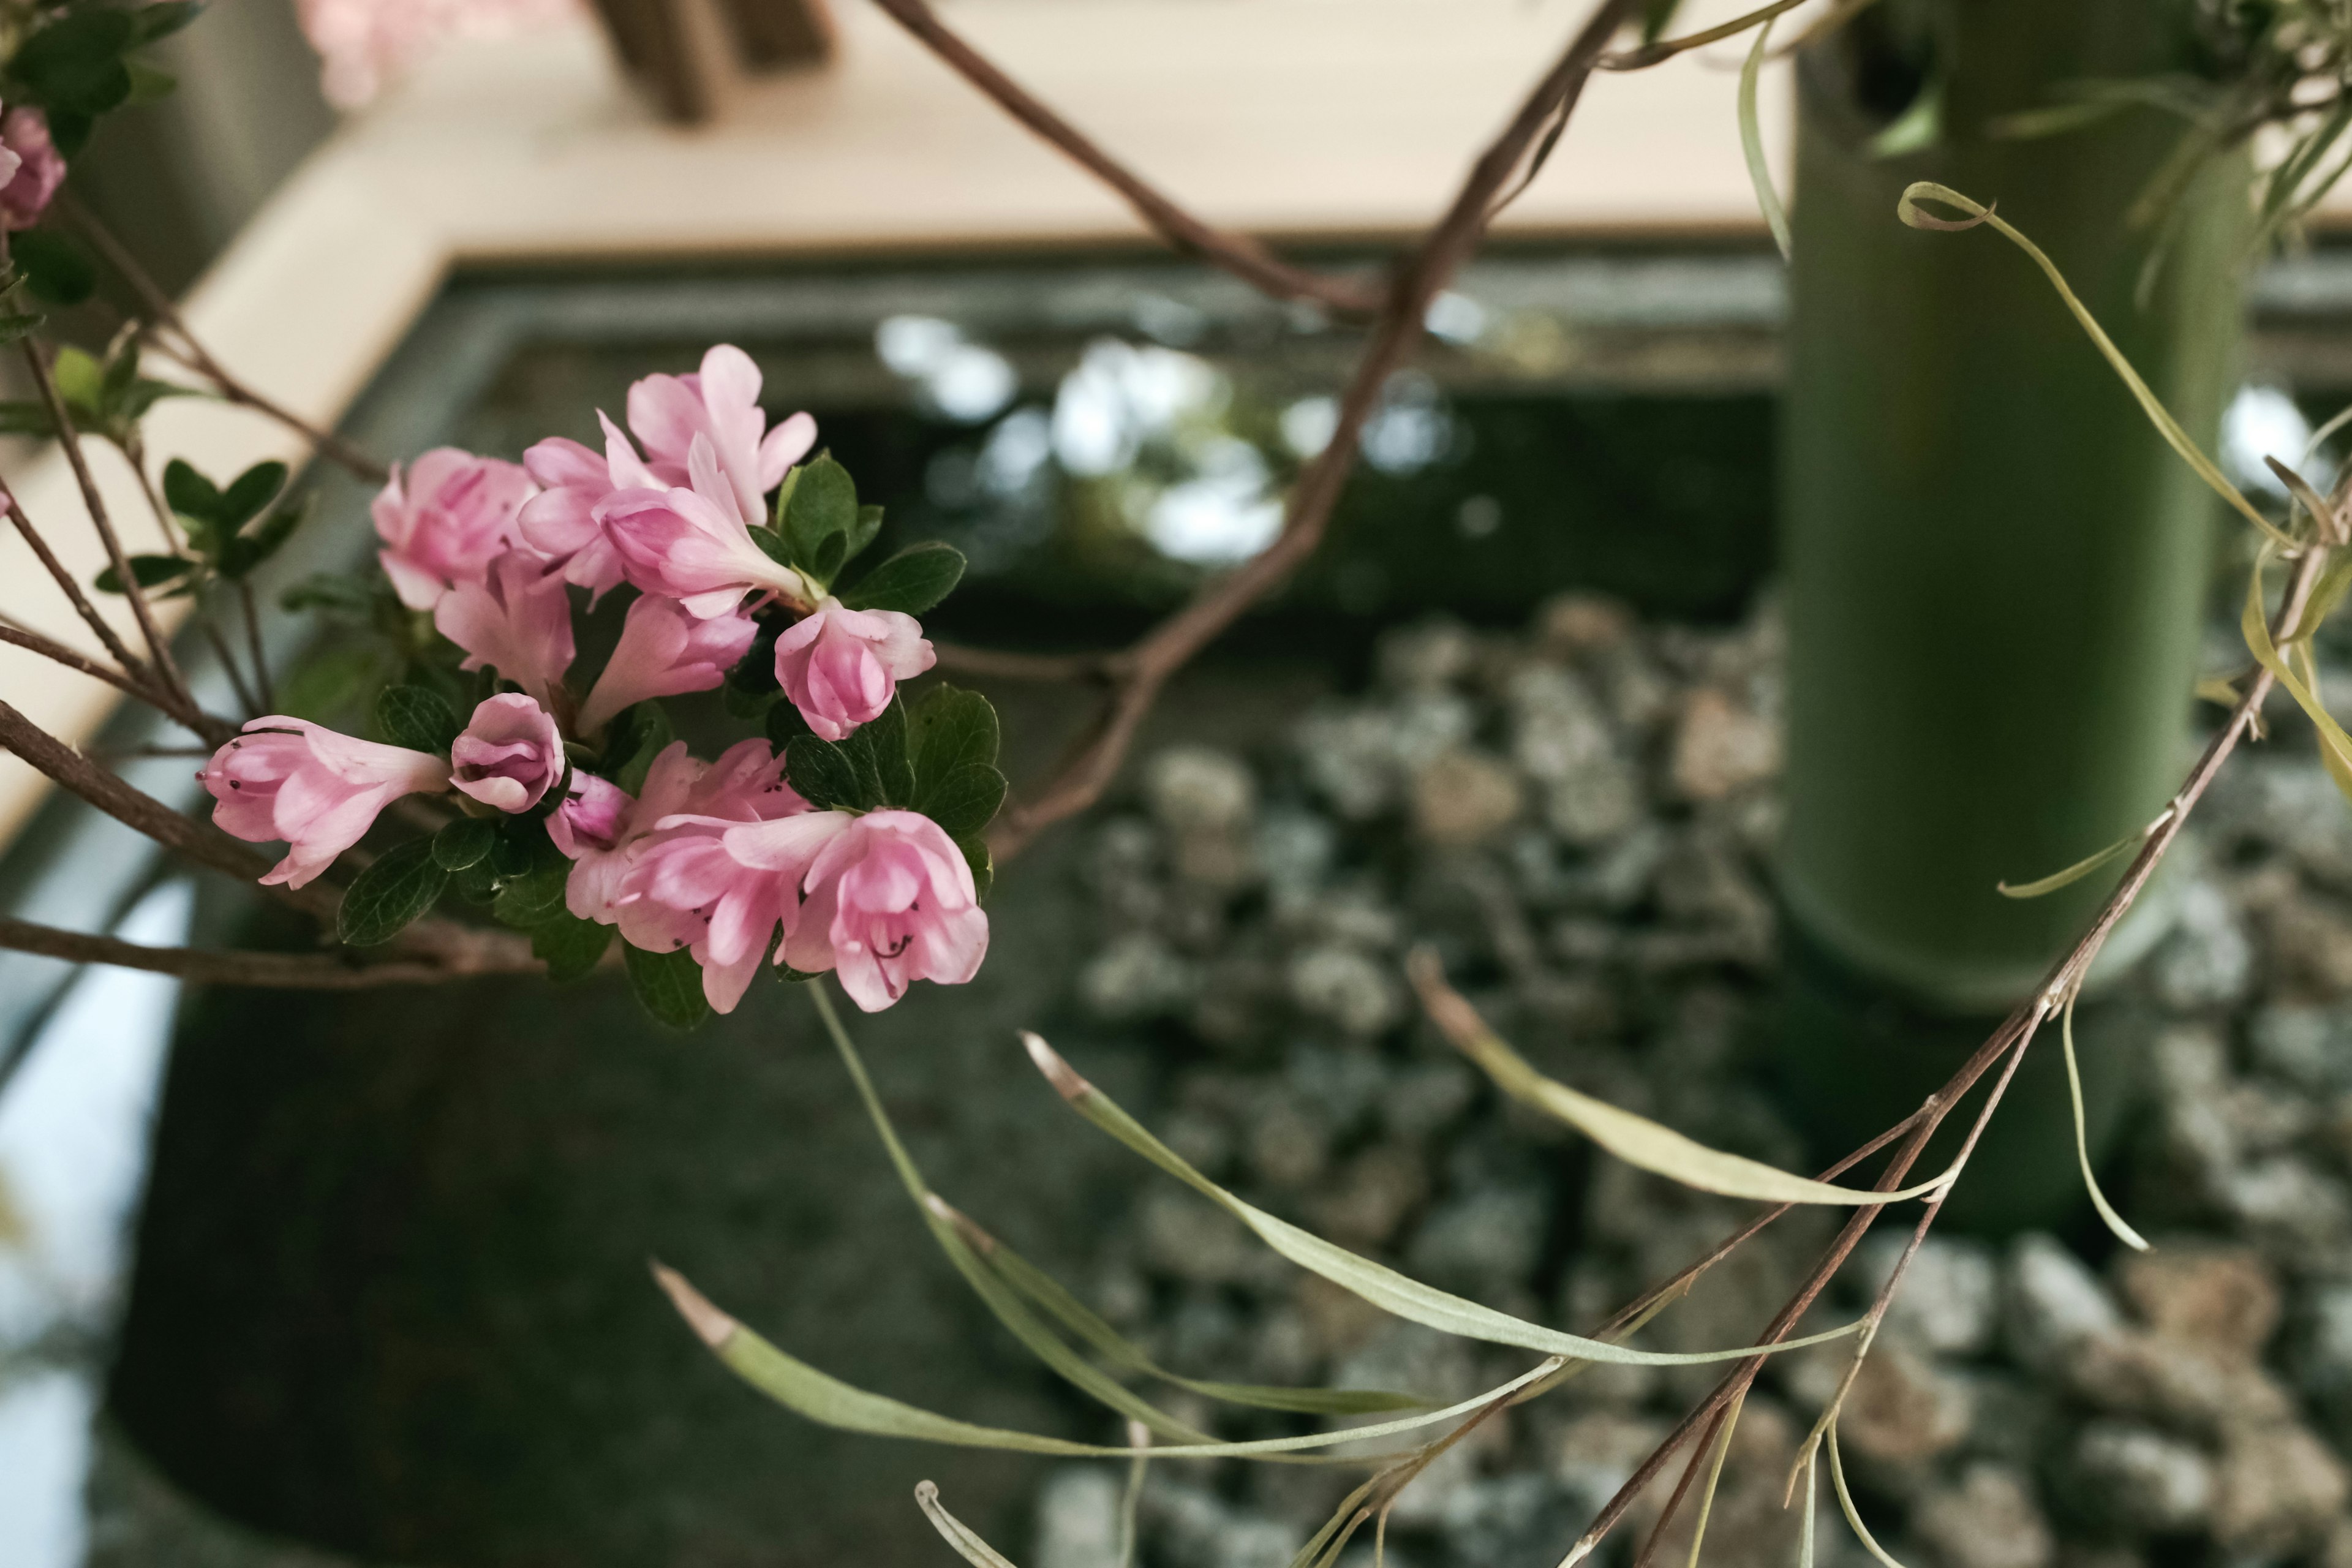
(927, 1492)
(1059, 1073)
(1909, 210)
(710, 1325)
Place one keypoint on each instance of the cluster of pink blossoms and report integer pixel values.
(724, 860)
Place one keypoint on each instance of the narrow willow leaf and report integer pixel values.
(2335, 745)
(955, 1532)
(2326, 595)
(1636, 1140)
(1909, 211)
(1385, 1288)
(1001, 1278)
(2323, 516)
(1714, 1478)
(829, 1402)
(2083, 868)
(1805, 1532)
(1845, 1501)
(1751, 142)
(1312, 1554)
(2306, 664)
(1130, 1502)
(2123, 1233)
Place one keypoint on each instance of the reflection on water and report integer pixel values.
(73, 1159)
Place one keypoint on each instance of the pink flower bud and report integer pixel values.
(444, 520)
(510, 755)
(889, 901)
(664, 651)
(515, 619)
(34, 167)
(689, 544)
(592, 818)
(319, 791)
(745, 785)
(840, 667)
(721, 404)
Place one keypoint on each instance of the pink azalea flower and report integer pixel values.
(720, 889)
(840, 667)
(515, 619)
(745, 785)
(444, 520)
(665, 651)
(510, 755)
(721, 404)
(31, 168)
(688, 543)
(319, 791)
(890, 900)
(592, 817)
(560, 523)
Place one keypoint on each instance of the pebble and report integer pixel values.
(1521, 1521)
(1463, 798)
(1344, 987)
(1949, 1303)
(2277, 1490)
(2050, 1303)
(1199, 1530)
(2139, 1480)
(1988, 1518)
(1428, 656)
(1372, 1196)
(1904, 1409)
(2207, 959)
(1186, 1238)
(2309, 1047)
(1078, 1522)
(2222, 1301)
(1136, 977)
(1720, 747)
(1575, 625)
(1487, 1239)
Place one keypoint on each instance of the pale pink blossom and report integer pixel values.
(688, 543)
(444, 520)
(516, 620)
(364, 45)
(591, 817)
(510, 755)
(665, 651)
(745, 785)
(560, 523)
(319, 791)
(720, 889)
(888, 900)
(840, 667)
(31, 167)
(720, 404)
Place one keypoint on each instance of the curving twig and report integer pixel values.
(343, 968)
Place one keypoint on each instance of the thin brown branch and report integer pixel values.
(99, 625)
(343, 968)
(1238, 254)
(1140, 672)
(995, 664)
(190, 353)
(50, 649)
(1665, 49)
(211, 636)
(159, 649)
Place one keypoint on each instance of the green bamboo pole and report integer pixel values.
(1994, 568)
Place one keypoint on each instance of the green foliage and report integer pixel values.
(912, 581)
(106, 398)
(382, 899)
(150, 571)
(464, 843)
(668, 985)
(216, 519)
(58, 271)
(819, 526)
(938, 758)
(81, 64)
(571, 948)
(417, 718)
(637, 737)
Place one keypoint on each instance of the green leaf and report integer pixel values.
(1639, 1141)
(910, 582)
(1397, 1294)
(19, 417)
(341, 592)
(243, 551)
(388, 895)
(69, 130)
(824, 773)
(570, 946)
(147, 570)
(771, 545)
(56, 269)
(16, 327)
(870, 524)
(477, 883)
(80, 379)
(122, 371)
(328, 684)
(983, 864)
(894, 765)
(668, 985)
(416, 716)
(966, 801)
(191, 494)
(831, 552)
(783, 722)
(75, 63)
(149, 83)
(631, 753)
(465, 842)
(822, 502)
(536, 896)
(248, 493)
(950, 729)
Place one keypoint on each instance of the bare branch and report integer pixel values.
(50, 649)
(159, 649)
(343, 968)
(1665, 49)
(1140, 671)
(192, 354)
(1236, 253)
(98, 624)
(992, 664)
